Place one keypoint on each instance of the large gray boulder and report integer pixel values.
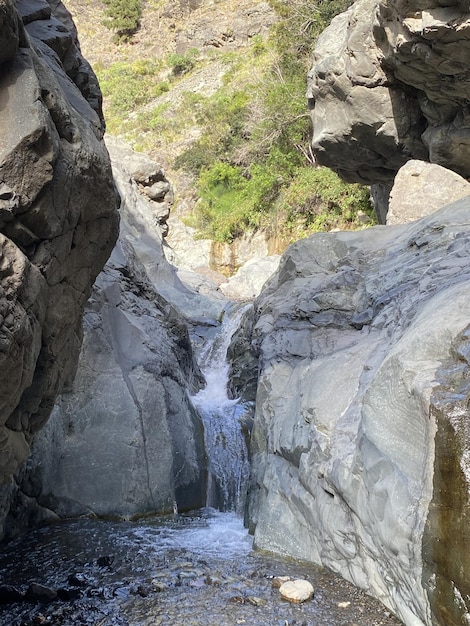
(360, 441)
(58, 218)
(390, 82)
(421, 188)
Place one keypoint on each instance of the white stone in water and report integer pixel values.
(296, 590)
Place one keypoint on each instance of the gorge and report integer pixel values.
(354, 356)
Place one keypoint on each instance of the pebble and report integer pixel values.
(255, 601)
(280, 580)
(296, 591)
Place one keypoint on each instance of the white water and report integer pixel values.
(210, 534)
(228, 464)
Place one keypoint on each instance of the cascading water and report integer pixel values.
(228, 464)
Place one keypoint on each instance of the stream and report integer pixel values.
(185, 570)
(192, 569)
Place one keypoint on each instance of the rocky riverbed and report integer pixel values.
(196, 569)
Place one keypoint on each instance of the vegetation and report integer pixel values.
(123, 16)
(251, 161)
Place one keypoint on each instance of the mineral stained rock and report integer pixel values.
(390, 82)
(360, 439)
(58, 218)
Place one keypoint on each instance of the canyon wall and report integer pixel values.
(125, 439)
(360, 441)
(58, 217)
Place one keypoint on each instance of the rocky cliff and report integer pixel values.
(58, 215)
(390, 82)
(125, 438)
(360, 442)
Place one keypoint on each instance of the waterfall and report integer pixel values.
(228, 464)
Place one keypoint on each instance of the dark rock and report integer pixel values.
(40, 593)
(77, 580)
(389, 83)
(58, 224)
(9, 594)
(68, 593)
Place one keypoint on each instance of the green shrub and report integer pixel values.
(126, 86)
(318, 200)
(183, 63)
(123, 16)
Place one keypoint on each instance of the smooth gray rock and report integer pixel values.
(125, 439)
(58, 220)
(247, 283)
(421, 188)
(359, 447)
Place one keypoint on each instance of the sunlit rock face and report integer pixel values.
(58, 217)
(360, 441)
(390, 82)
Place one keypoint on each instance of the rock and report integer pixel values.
(58, 223)
(9, 594)
(159, 586)
(10, 26)
(296, 591)
(359, 437)
(361, 128)
(421, 188)
(105, 561)
(229, 29)
(389, 83)
(77, 580)
(135, 375)
(237, 600)
(247, 283)
(67, 594)
(149, 177)
(40, 593)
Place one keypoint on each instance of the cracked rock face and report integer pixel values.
(360, 440)
(390, 82)
(58, 218)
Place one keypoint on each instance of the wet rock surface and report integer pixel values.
(194, 570)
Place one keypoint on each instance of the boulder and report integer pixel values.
(389, 83)
(421, 188)
(58, 218)
(248, 281)
(360, 444)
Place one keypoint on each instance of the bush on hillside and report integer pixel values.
(123, 16)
